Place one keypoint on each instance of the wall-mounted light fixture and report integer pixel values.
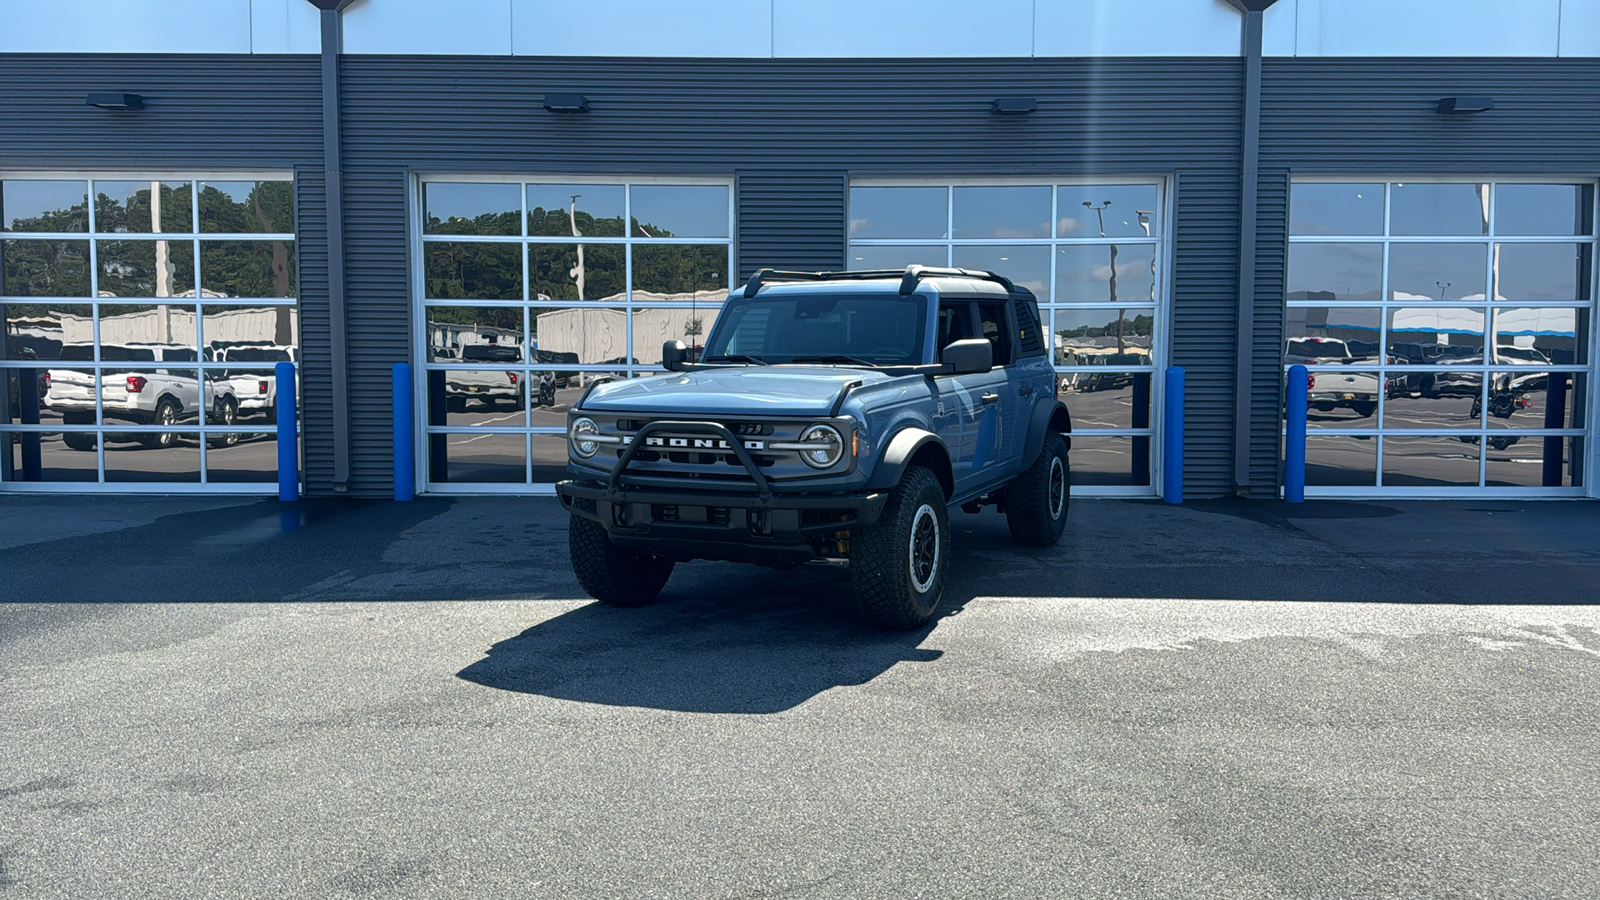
(1465, 104)
(116, 101)
(566, 103)
(1013, 106)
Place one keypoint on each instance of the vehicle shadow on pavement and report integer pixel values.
(734, 638)
(722, 639)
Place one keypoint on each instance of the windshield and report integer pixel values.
(491, 353)
(861, 329)
(256, 354)
(1318, 348)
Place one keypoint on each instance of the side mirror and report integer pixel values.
(973, 356)
(673, 355)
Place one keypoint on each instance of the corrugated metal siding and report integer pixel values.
(1205, 317)
(793, 132)
(316, 351)
(201, 112)
(1266, 369)
(790, 220)
(1337, 116)
(377, 314)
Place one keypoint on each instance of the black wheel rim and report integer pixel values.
(924, 549)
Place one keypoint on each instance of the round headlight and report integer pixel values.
(830, 446)
(581, 427)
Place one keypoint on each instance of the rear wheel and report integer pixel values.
(898, 564)
(166, 415)
(78, 441)
(613, 575)
(1037, 499)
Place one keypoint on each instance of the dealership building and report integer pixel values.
(520, 198)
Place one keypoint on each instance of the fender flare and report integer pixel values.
(906, 445)
(1048, 415)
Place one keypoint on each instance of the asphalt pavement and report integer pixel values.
(226, 697)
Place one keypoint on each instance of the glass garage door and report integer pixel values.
(141, 330)
(1094, 253)
(532, 290)
(1447, 327)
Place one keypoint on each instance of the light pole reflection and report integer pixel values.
(1100, 215)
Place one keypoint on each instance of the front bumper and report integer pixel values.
(737, 526)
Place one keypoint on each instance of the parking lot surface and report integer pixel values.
(221, 697)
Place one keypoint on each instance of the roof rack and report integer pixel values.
(909, 277)
(914, 274)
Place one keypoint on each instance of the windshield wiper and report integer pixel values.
(837, 358)
(735, 357)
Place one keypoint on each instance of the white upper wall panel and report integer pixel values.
(677, 28)
(125, 26)
(1278, 28)
(285, 26)
(1134, 28)
(902, 28)
(1429, 27)
(1580, 28)
(429, 26)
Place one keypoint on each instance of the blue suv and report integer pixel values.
(832, 417)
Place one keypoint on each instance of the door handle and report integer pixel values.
(990, 399)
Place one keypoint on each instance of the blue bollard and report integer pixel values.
(288, 434)
(1172, 438)
(405, 465)
(1294, 438)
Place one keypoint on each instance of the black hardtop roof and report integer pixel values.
(909, 278)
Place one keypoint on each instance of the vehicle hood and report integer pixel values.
(735, 391)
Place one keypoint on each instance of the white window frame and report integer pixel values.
(1591, 462)
(419, 303)
(94, 302)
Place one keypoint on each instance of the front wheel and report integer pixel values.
(898, 564)
(613, 575)
(227, 413)
(1037, 499)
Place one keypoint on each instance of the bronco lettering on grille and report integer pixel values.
(694, 443)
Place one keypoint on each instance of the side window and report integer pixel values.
(992, 318)
(953, 323)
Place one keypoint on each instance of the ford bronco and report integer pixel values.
(831, 417)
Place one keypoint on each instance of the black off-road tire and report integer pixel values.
(78, 440)
(1038, 498)
(613, 575)
(898, 564)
